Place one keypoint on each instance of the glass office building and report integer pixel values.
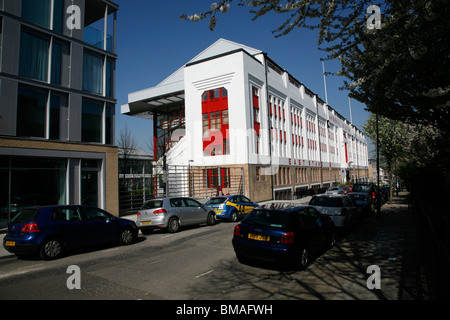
(57, 104)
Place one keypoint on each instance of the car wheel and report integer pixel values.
(127, 237)
(174, 225)
(51, 249)
(233, 216)
(211, 220)
(302, 259)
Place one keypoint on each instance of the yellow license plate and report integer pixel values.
(10, 243)
(258, 237)
(146, 223)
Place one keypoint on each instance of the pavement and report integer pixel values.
(388, 241)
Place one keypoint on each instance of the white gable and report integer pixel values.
(219, 47)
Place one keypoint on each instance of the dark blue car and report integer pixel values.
(283, 236)
(50, 231)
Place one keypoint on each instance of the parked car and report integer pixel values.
(171, 213)
(347, 188)
(340, 208)
(283, 235)
(232, 207)
(369, 188)
(335, 190)
(364, 202)
(50, 231)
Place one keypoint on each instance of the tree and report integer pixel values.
(127, 144)
(399, 70)
(392, 136)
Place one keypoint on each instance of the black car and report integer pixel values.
(289, 235)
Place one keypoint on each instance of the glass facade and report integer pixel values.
(51, 113)
(28, 182)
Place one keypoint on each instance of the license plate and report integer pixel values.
(258, 237)
(146, 223)
(10, 243)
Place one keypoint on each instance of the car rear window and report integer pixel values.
(361, 188)
(216, 200)
(26, 215)
(152, 204)
(267, 218)
(326, 201)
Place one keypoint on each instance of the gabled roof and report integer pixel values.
(171, 89)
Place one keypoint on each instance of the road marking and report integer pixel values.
(203, 274)
(169, 235)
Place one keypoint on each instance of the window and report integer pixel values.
(59, 51)
(110, 67)
(55, 110)
(91, 121)
(95, 214)
(33, 60)
(37, 11)
(66, 214)
(31, 112)
(215, 122)
(109, 112)
(92, 73)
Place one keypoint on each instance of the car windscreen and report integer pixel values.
(153, 204)
(326, 201)
(217, 200)
(361, 188)
(26, 215)
(267, 218)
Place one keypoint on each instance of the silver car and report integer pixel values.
(335, 190)
(340, 208)
(171, 213)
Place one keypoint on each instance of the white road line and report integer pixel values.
(203, 274)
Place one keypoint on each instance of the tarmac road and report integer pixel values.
(199, 263)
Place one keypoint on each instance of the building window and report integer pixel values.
(33, 60)
(91, 121)
(55, 111)
(31, 112)
(110, 66)
(37, 11)
(34, 107)
(215, 122)
(92, 73)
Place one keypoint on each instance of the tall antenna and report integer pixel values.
(325, 82)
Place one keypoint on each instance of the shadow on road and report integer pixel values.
(338, 274)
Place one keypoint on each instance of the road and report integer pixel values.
(199, 263)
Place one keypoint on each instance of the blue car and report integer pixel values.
(50, 231)
(232, 207)
(283, 236)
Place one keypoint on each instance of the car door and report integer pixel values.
(198, 212)
(181, 209)
(71, 226)
(246, 205)
(318, 234)
(101, 228)
(351, 209)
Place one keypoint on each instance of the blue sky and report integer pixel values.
(153, 42)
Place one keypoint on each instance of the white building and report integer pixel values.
(232, 107)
